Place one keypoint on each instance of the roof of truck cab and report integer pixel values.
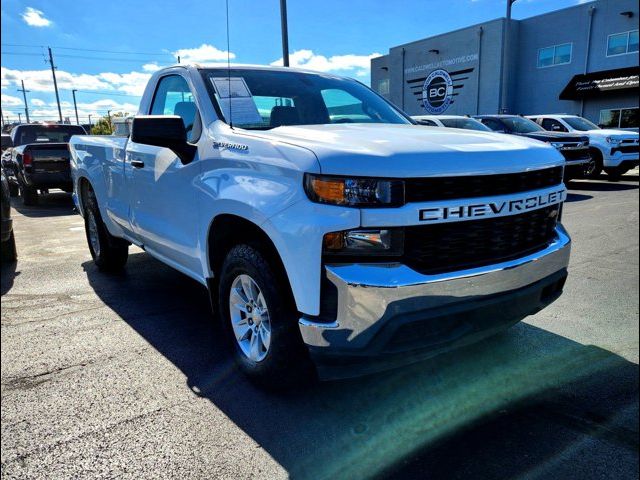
(245, 66)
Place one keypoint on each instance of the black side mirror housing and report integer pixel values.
(166, 131)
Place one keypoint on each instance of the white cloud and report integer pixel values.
(35, 18)
(36, 102)
(131, 83)
(151, 67)
(10, 101)
(202, 54)
(360, 64)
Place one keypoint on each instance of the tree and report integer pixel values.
(104, 125)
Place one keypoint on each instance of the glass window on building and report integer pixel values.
(619, 118)
(556, 55)
(622, 43)
(383, 86)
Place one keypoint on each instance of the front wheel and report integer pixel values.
(260, 320)
(614, 173)
(593, 169)
(108, 252)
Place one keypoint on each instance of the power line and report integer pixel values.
(109, 93)
(122, 52)
(85, 57)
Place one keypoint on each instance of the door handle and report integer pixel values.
(137, 163)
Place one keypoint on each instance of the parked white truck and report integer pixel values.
(613, 150)
(325, 225)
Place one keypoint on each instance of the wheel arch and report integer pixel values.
(229, 230)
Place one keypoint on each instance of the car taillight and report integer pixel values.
(27, 159)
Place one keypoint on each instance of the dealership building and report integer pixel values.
(579, 60)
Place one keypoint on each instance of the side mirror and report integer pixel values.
(166, 131)
(557, 128)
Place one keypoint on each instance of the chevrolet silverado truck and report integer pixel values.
(331, 232)
(613, 150)
(574, 147)
(40, 158)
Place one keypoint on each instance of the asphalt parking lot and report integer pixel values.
(125, 376)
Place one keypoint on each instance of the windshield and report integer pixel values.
(579, 123)
(522, 125)
(264, 99)
(466, 123)
(47, 134)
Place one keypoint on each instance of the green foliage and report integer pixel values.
(104, 126)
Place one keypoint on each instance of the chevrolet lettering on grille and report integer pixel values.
(492, 209)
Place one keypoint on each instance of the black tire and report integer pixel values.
(29, 196)
(614, 173)
(595, 166)
(287, 361)
(111, 253)
(14, 189)
(8, 252)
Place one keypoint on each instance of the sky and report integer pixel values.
(108, 49)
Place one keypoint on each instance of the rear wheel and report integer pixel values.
(109, 253)
(594, 167)
(14, 190)
(8, 251)
(29, 196)
(260, 320)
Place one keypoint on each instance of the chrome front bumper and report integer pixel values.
(371, 296)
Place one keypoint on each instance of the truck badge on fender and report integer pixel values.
(231, 146)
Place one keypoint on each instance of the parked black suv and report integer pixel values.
(40, 158)
(574, 148)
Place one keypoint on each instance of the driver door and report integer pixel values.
(164, 212)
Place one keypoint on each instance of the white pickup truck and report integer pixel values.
(330, 231)
(614, 150)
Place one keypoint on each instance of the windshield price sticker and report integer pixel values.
(236, 100)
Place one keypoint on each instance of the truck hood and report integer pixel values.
(557, 136)
(413, 151)
(613, 133)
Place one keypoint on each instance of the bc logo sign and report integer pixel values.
(437, 92)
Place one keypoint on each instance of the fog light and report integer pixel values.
(364, 242)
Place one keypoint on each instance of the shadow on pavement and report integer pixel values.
(53, 204)
(601, 185)
(7, 274)
(525, 402)
(577, 197)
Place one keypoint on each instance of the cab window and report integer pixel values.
(173, 97)
(553, 125)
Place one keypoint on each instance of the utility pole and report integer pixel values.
(90, 126)
(19, 117)
(55, 83)
(505, 60)
(285, 32)
(24, 95)
(75, 105)
(178, 58)
(110, 125)
(2, 116)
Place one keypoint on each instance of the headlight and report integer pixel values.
(613, 141)
(382, 242)
(557, 145)
(354, 192)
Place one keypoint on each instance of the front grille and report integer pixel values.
(449, 188)
(575, 154)
(454, 246)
